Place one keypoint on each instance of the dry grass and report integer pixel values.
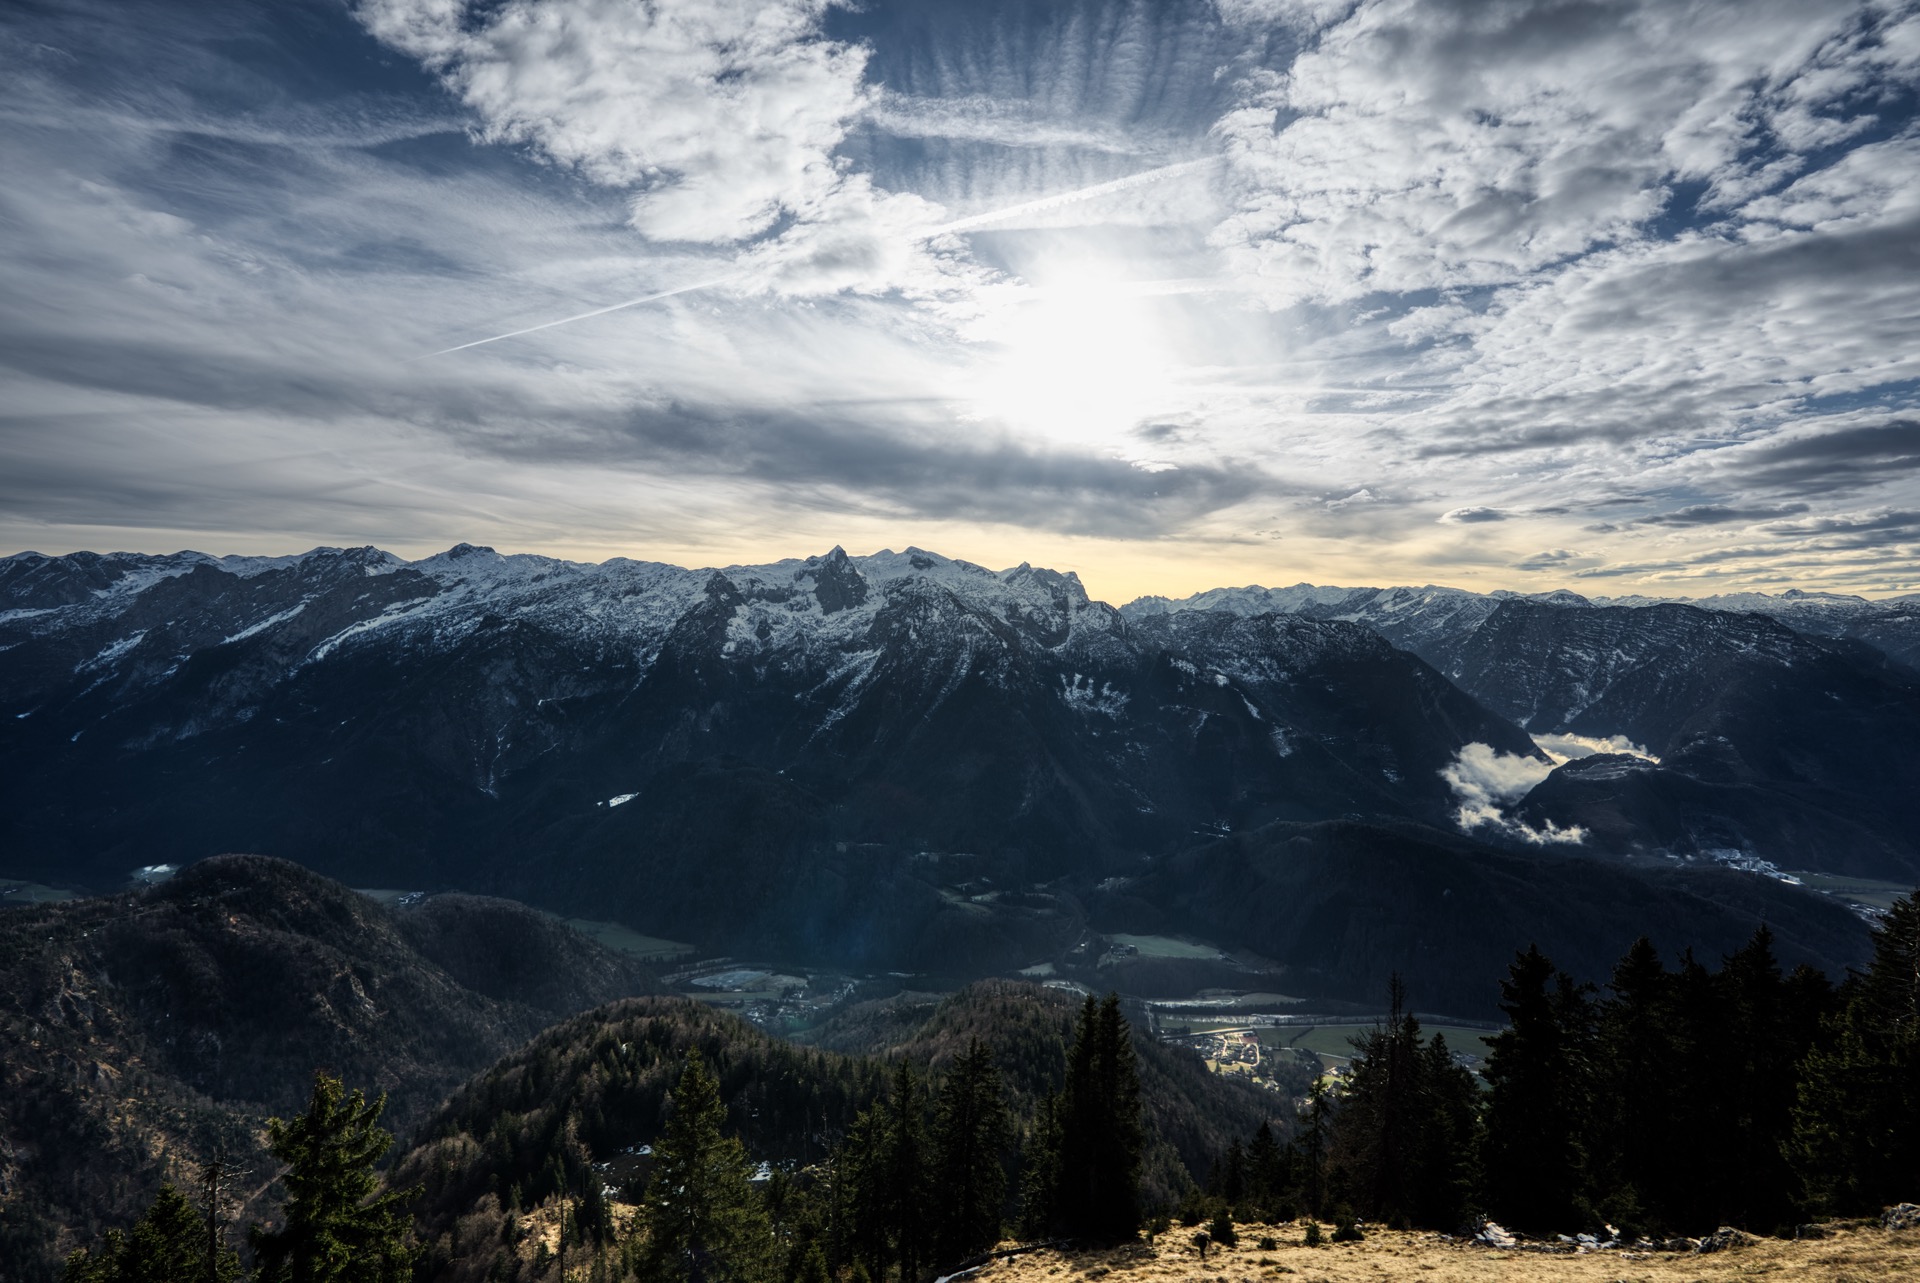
(1852, 1255)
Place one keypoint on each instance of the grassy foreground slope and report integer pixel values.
(1860, 1254)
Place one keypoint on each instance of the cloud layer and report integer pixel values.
(1535, 293)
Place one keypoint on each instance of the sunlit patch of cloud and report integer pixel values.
(1565, 748)
(1486, 783)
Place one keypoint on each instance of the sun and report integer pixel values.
(1079, 358)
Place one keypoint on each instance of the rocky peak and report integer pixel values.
(837, 583)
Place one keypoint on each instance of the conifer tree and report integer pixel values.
(1856, 1121)
(903, 1170)
(1758, 1078)
(1266, 1172)
(701, 1219)
(969, 1133)
(1316, 1128)
(1101, 1136)
(168, 1244)
(1404, 1130)
(339, 1227)
(1040, 1171)
(1538, 1109)
(1636, 1102)
(860, 1196)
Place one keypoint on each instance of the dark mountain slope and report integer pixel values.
(138, 1031)
(1342, 906)
(597, 1086)
(1800, 750)
(755, 754)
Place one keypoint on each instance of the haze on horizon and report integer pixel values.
(1612, 296)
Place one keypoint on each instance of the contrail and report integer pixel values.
(959, 225)
(598, 311)
(1140, 179)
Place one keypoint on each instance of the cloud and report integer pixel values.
(1555, 559)
(1485, 782)
(1844, 459)
(722, 115)
(1884, 521)
(1565, 748)
(1522, 265)
(1716, 514)
(1432, 145)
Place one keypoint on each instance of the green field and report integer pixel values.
(1867, 891)
(14, 891)
(629, 941)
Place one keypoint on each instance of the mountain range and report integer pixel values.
(908, 761)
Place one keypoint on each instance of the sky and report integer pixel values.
(1615, 296)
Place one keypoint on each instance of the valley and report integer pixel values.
(820, 816)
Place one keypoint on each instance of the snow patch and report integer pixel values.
(113, 651)
(1082, 695)
(264, 624)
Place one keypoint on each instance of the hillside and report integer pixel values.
(1192, 1113)
(1341, 906)
(139, 1031)
(595, 1088)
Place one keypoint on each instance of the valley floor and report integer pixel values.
(1851, 1255)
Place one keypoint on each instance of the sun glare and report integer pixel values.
(1080, 360)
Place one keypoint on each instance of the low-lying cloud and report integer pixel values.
(1486, 782)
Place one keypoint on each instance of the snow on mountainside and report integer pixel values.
(897, 761)
(1431, 621)
(476, 709)
(1768, 728)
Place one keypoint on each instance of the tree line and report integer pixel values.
(930, 1173)
(1671, 1101)
(922, 1179)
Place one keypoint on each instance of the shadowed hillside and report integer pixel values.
(138, 1032)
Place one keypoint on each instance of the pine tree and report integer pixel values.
(702, 1221)
(1539, 1070)
(1310, 1147)
(1040, 1171)
(1856, 1121)
(1101, 1136)
(860, 1198)
(1758, 1081)
(903, 1169)
(1636, 1099)
(168, 1244)
(339, 1227)
(1448, 1149)
(1404, 1131)
(1266, 1173)
(969, 1133)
